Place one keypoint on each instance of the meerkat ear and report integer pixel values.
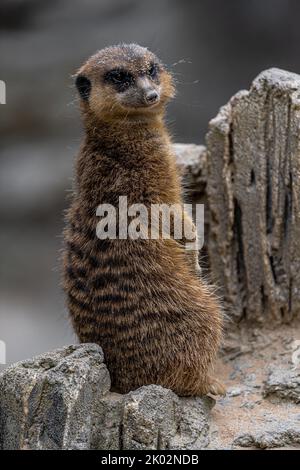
(84, 86)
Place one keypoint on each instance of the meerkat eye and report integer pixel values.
(120, 78)
(117, 77)
(153, 70)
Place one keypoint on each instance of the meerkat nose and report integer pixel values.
(151, 96)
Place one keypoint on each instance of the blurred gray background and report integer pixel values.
(214, 48)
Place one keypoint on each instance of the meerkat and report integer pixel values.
(143, 300)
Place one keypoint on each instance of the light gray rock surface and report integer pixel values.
(61, 400)
(253, 191)
(151, 418)
(48, 402)
(283, 384)
(193, 432)
(191, 160)
(278, 433)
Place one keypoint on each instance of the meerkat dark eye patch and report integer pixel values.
(84, 86)
(121, 79)
(153, 70)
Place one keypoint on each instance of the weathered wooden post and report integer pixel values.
(253, 189)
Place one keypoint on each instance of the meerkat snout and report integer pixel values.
(151, 96)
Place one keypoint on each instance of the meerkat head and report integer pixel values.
(124, 80)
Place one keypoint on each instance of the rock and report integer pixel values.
(248, 404)
(283, 384)
(193, 432)
(61, 400)
(107, 425)
(235, 392)
(151, 418)
(48, 402)
(231, 348)
(253, 186)
(277, 433)
(192, 163)
(155, 418)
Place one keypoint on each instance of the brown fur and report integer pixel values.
(141, 300)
